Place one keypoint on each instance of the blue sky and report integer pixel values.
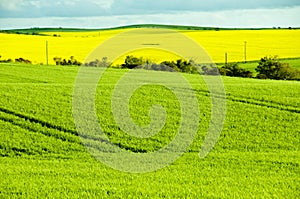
(110, 13)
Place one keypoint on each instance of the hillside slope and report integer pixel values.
(41, 154)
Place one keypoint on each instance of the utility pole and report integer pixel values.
(46, 52)
(226, 60)
(245, 51)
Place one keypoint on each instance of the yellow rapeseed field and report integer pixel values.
(64, 44)
(259, 43)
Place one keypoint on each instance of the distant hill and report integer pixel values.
(39, 31)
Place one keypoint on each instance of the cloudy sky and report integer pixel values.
(110, 13)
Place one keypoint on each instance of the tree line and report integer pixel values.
(267, 68)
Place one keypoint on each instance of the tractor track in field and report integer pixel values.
(45, 125)
(278, 106)
(37, 121)
(46, 132)
(51, 130)
(253, 101)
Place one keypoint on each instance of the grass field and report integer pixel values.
(41, 154)
(79, 43)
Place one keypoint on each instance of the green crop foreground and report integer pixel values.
(42, 156)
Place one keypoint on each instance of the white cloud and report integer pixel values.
(17, 5)
(11, 4)
(104, 4)
(36, 3)
(246, 18)
(67, 2)
(81, 8)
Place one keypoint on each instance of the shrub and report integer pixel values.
(210, 71)
(157, 67)
(97, 63)
(2, 61)
(272, 68)
(64, 62)
(5, 60)
(22, 60)
(181, 66)
(261, 76)
(170, 64)
(234, 70)
(57, 60)
(132, 62)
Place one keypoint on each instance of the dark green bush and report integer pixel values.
(22, 60)
(234, 70)
(132, 62)
(210, 71)
(272, 68)
(179, 65)
(99, 63)
(64, 62)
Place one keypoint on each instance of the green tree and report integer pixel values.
(186, 66)
(132, 62)
(272, 68)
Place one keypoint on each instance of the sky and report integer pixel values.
(112, 13)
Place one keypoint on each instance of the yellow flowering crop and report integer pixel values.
(259, 43)
(60, 44)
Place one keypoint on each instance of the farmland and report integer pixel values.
(79, 43)
(41, 154)
(49, 147)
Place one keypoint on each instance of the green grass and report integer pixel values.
(41, 155)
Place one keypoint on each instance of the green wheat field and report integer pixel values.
(42, 156)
